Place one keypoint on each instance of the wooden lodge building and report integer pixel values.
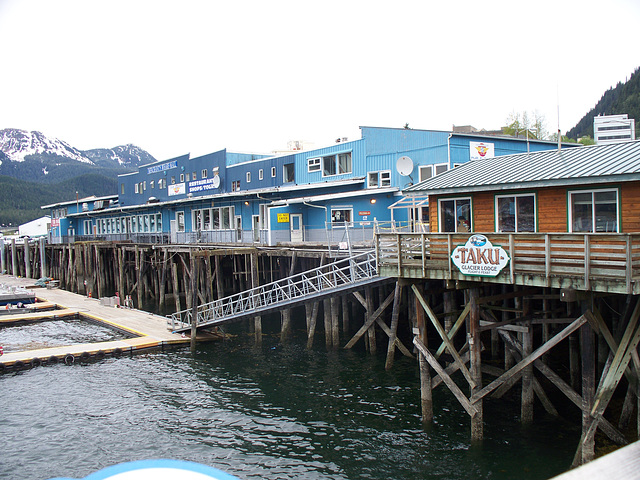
(530, 249)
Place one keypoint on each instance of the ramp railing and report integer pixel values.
(328, 278)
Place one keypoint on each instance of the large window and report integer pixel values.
(455, 215)
(516, 213)
(589, 208)
(218, 218)
(336, 164)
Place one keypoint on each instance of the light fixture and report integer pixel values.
(246, 203)
(372, 201)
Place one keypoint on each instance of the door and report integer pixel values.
(295, 226)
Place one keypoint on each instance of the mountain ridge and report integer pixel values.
(32, 156)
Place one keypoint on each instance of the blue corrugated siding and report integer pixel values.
(357, 149)
(239, 172)
(396, 140)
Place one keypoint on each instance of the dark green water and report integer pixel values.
(280, 412)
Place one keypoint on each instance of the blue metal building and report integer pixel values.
(333, 194)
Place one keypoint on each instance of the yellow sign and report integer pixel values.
(283, 218)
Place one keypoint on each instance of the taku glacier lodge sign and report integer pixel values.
(479, 257)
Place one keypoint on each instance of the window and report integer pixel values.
(516, 213)
(173, 180)
(194, 176)
(186, 177)
(313, 164)
(288, 173)
(336, 164)
(235, 186)
(441, 168)
(144, 185)
(151, 184)
(260, 174)
(273, 172)
(135, 188)
(341, 216)
(599, 208)
(181, 177)
(122, 188)
(248, 177)
(455, 215)
(225, 217)
(426, 171)
(180, 221)
(204, 173)
(379, 179)
(197, 220)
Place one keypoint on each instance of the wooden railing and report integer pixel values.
(603, 262)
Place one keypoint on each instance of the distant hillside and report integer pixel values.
(34, 157)
(20, 201)
(624, 98)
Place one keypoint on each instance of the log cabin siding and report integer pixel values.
(551, 208)
(630, 200)
(482, 209)
(551, 204)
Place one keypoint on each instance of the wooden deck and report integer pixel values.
(147, 330)
(600, 262)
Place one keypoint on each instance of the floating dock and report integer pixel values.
(145, 330)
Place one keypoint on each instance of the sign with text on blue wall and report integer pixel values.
(204, 184)
(162, 168)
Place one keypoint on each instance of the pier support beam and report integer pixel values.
(14, 258)
(475, 364)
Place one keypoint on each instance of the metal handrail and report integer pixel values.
(338, 274)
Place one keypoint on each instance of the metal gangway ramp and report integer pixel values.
(341, 276)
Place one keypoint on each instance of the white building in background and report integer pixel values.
(613, 129)
(35, 228)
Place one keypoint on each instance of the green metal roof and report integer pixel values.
(572, 166)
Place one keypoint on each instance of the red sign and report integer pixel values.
(364, 213)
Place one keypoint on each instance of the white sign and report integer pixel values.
(177, 189)
(479, 150)
(479, 257)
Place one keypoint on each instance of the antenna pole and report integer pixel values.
(558, 104)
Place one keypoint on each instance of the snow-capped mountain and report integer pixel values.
(123, 155)
(35, 157)
(18, 144)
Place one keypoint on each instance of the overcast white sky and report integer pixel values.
(196, 76)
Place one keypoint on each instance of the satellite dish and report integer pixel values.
(216, 181)
(404, 166)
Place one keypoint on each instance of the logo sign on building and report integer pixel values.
(364, 213)
(479, 150)
(177, 189)
(163, 167)
(479, 257)
(283, 218)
